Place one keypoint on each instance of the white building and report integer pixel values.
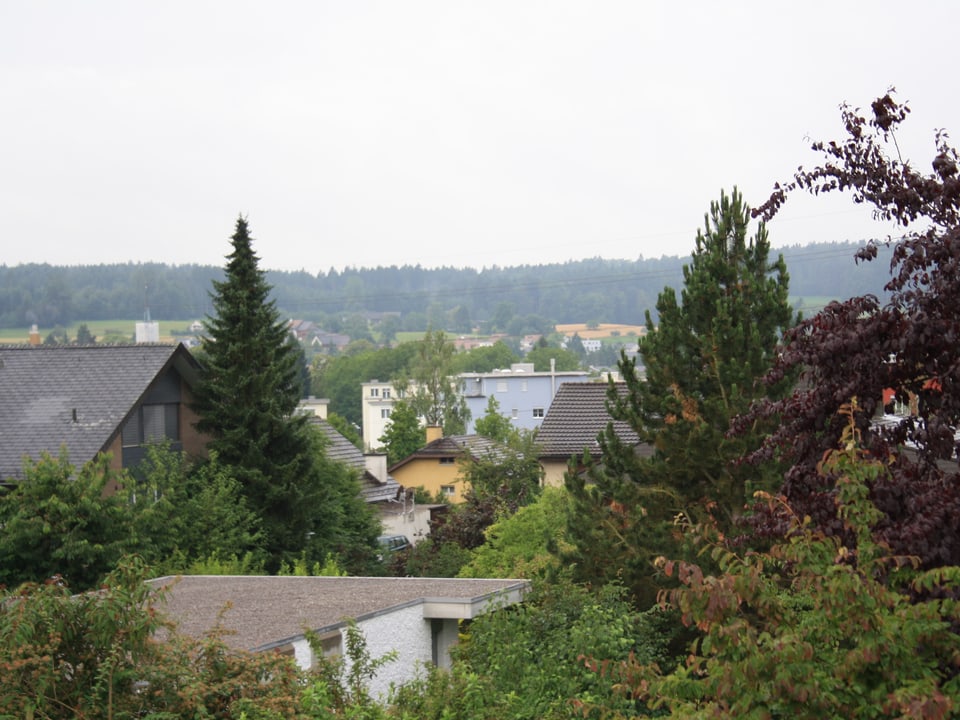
(378, 400)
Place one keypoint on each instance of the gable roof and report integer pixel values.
(75, 396)
(269, 611)
(454, 446)
(577, 415)
(339, 449)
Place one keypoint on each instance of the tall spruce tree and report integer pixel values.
(703, 362)
(246, 401)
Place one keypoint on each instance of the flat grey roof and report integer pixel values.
(266, 611)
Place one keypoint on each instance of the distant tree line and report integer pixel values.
(514, 300)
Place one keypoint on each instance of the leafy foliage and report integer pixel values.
(860, 347)
(96, 655)
(184, 512)
(433, 391)
(403, 435)
(518, 545)
(64, 522)
(494, 424)
(510, 471)
(812, 628)
(563, 359)
(338, 685)
(532, 655)
(484, 359)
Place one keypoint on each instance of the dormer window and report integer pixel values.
(152, 424)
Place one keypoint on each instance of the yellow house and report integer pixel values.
(434, 466)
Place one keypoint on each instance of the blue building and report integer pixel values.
(522, 394)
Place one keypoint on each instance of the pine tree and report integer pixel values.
(703, 363)
(246, 402)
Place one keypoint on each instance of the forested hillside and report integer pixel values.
(594, 290)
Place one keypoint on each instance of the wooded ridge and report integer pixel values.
(595, 289)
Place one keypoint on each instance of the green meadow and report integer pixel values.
(116, 330)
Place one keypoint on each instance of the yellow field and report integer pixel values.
(603, 330)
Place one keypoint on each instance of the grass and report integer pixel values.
(170, 330)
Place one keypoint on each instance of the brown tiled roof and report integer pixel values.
(454, 446)
(577, 415)
(265, 611)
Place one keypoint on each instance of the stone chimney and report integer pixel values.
(434, 432)
(34, 337)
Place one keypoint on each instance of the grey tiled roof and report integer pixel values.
(72, 396)
(577, 415)
(267, 610)
(342, 450)
(338, 447)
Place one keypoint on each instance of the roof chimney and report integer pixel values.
(434, 432)
(376, 464)
(34, 337)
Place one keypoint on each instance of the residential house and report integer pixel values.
(417, 618)
(329, 342)
(93, 399)
(434, 467)
(314, 406)
(302, 329)
(472, 342)
(577, 416)
(522, 394)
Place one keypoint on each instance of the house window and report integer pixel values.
(514, 413)
(538, 412)
(384, 413)
(448, 490)
(447, 461)
(331, 644)
(374, 392)
(501, 386)
(386, 393)
(151, 424)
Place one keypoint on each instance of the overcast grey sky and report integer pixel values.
(441, 133)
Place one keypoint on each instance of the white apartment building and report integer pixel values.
(378, 400)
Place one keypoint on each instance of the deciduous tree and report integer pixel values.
(433, 387)
(861, 347)
(60, 520)
(810, 628)
(493, 424)
(403, 435)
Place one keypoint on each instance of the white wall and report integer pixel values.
(406, 631)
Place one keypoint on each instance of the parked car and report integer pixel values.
(393, 543)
